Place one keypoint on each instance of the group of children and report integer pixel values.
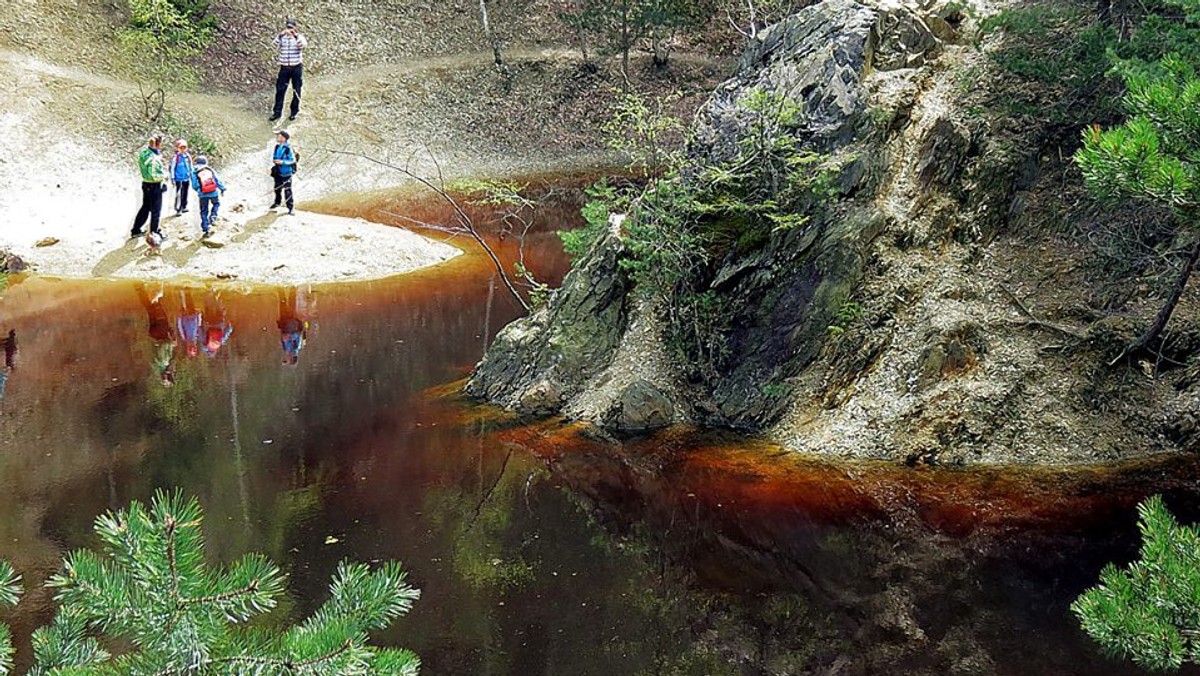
(188, 174)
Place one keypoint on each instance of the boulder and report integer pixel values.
(943, 154)
(11, 263)
(950, 353)
(641, 406)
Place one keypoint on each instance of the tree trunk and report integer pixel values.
(1164, 314)
(491, 35)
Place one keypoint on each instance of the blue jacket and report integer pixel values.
(196, 181)
(284, 152)
(181, 166)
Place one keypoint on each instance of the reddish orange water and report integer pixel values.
(538, 549)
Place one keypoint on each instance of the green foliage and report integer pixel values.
(493, 192)
(847, 314)
(642, 130)
(157, 46)
(1155, 155)
(199, 143)
(1150, 611)
(603, 201)
(514, 213)
(539, 291)
(619, 26)
(477, 518)
(151, 592)
(10, 593)
(1169, 27)
(196, 12)
(680, 223)
(1064, 55)
(1060, 53)
(775, 389)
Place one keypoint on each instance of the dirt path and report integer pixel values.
(72, 187)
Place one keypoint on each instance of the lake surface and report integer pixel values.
(324, 427)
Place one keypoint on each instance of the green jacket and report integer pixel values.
(154, 170)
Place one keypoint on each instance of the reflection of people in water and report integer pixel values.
(217, 328)
(161, 333)
(188, 323)
(295, 311)
(10, 359)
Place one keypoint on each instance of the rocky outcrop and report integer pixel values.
(818, 59)
(898, 322)
(537, 363)
(641, 406)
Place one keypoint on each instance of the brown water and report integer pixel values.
(537, 549)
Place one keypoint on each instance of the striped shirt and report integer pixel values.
(291, 49)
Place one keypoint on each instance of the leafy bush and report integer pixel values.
(157, 47)
(619, 26)
(692, 215)
(641, 129)
(198, 142)
(603, 201)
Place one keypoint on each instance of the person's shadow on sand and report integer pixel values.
(135, 250)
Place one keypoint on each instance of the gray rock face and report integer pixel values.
(536, 363)
(816, 57)
(798, 283)
(942, 155)
(903, 40)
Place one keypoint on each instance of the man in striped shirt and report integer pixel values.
(291, 46)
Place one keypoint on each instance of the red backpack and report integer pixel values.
(208, 180)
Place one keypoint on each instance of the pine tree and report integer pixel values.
(1154, 156)
(10, 593)
(151, 589)
(1150, 611)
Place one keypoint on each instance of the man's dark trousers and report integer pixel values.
(151, 207)
(283, 184)
(295, 76)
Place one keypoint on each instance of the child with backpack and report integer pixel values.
(181, 173)
(285, 160)
(210, 188)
